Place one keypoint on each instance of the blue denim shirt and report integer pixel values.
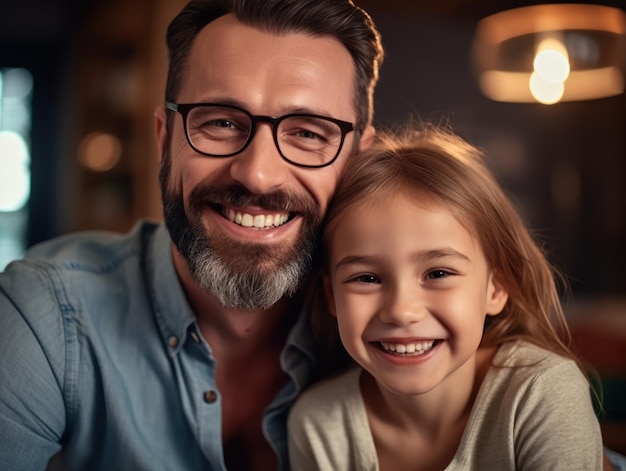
(101, 357)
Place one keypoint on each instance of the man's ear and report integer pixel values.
(497, 296)
(329, 295)
(367, 138)
(160, 127)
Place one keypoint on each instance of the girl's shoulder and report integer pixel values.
(521, 353)
(328, 426)
(521, 365)
(330, 395)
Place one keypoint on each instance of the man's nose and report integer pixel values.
(260, 167)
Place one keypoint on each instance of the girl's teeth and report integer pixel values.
(415, 348)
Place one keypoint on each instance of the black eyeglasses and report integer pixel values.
(305, 140)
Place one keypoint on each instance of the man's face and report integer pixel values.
(246, 224)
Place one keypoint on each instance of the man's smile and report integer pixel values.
(259, 221)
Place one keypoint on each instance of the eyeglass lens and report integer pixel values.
(222, 131)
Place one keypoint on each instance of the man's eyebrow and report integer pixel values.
(295, 109)
(310, 110)
(222, 100)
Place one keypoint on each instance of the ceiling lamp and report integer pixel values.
(551, 53)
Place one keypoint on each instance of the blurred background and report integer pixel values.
(79, 81)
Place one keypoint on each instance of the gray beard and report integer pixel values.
(240, 276)
(248, 288)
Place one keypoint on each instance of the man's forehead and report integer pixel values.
(230, 60)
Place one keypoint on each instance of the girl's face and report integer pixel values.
(410, 288)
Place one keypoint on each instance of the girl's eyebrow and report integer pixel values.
(446, 252)
(356, 260)
(424, 255)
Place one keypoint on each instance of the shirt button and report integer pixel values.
(173, 341)
(195, 337)
(210, 397)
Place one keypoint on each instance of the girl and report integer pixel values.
(450, 308)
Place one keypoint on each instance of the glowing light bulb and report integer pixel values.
(552, 66)
(551, 70)
(545, 92)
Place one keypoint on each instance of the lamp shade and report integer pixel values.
(550, 53)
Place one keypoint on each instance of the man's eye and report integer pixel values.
(307, 134)
(220, 123)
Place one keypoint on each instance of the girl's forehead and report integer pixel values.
(385, 199)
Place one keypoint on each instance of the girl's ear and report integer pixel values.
(329, 295)
(497, 296)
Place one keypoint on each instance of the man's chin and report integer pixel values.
(249, 275)
(240, 275)
(251, 286)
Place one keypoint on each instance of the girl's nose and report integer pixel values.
(402, 306)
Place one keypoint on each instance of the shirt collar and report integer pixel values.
(171, 309)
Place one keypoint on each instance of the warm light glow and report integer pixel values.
(551, 62)
(513, 87)
(544, 92)
(14, 172)
(100, 151)
(558, 32)
(537, 19)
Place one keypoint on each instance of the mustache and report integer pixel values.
(238, 195)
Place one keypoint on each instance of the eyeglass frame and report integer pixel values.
(185, 108)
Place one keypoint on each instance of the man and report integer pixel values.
(182, 346)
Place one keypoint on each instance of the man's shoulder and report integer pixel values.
(91, 251)
(82, 272)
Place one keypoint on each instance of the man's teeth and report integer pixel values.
(258, 221)
(415, 348)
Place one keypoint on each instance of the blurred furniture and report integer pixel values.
(599, 337)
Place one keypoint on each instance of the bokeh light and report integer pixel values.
(99, 151)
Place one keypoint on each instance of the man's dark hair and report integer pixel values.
(349, 24)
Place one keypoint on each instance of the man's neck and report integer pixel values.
(236, 332)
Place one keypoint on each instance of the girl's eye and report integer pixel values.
(436, 274)
(366, 279)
